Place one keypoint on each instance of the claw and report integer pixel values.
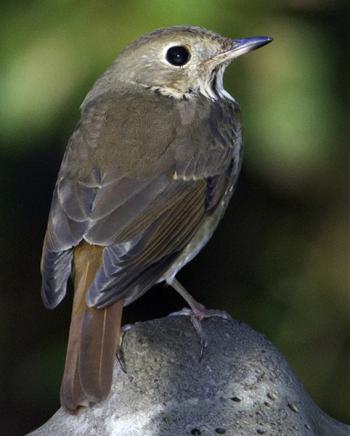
(196, 317)
(197, 313)
(121, 361)
(120, 353)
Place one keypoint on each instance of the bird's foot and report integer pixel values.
(197, 313)
(121, 360)
(120, 353)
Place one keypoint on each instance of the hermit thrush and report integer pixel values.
(146, 177)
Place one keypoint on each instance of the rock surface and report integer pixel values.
(241, 386)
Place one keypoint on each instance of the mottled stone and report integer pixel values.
(242, 386)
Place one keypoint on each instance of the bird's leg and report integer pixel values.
(197, 312)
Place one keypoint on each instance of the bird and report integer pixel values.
(146, 177)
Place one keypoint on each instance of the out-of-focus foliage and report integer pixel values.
(279, 259)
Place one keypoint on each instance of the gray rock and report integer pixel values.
(241, 386)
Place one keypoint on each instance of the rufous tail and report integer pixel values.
(94, 337)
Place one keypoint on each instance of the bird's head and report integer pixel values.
(182, 60)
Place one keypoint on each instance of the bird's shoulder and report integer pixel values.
(138, 131)
(126, 130)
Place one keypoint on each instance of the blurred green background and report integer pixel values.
(279, 261)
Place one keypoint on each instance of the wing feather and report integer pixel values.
(131, 183)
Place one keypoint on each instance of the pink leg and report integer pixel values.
(197, 312)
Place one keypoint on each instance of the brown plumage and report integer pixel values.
(146, 177)
(94, 337)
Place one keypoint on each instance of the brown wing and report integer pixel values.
(131, 267)
(134, 180)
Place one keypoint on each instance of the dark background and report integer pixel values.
(279, 260)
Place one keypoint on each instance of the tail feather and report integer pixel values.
(94, 337)
(99, 345)
(71, 394)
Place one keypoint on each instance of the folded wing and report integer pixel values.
(144, 211)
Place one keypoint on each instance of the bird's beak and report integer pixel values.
(240, 47)
(245, 45)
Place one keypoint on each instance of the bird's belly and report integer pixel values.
(200, 238)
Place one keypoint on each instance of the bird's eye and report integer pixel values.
(178, 55)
